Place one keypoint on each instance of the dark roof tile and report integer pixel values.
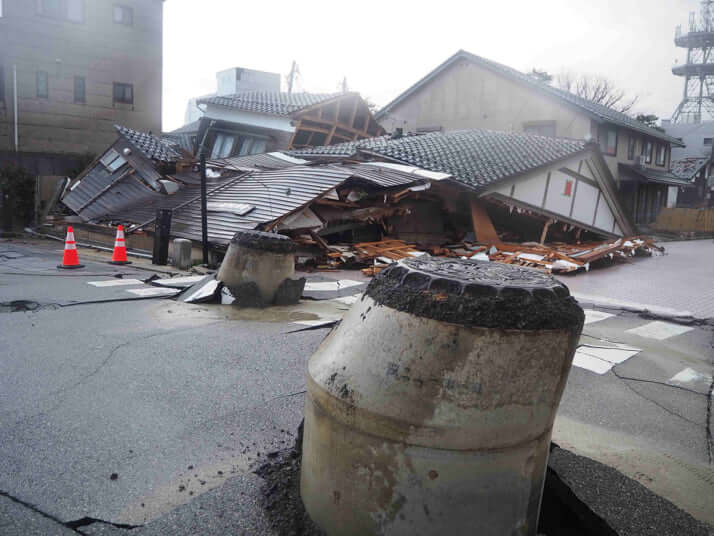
(268, 102)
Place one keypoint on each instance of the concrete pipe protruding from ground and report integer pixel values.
(181, 253)
(257, 262)
(429, 409)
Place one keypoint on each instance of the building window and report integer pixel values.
(546, 128)
(1, 6)
(43, 85)
(631, 148)
(661, 154)
(123, 93)
(647, 151)
(2, 82)
(123, 15)
(252, 146)
(112, 160)
(708, 141)
(608, 140)
(223, 146)
(80, 89)
(71, 10)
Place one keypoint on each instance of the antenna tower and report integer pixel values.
(698, 70)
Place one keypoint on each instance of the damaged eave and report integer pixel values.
(537, 188)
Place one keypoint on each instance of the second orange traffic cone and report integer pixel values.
(119, 255)
(70, 260)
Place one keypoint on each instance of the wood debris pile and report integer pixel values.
(553, 258)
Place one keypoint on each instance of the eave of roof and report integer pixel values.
(595, 111)
(653, 175)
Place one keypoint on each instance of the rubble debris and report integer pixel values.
(207, 290)
(290, 291)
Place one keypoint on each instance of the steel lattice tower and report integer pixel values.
(698, 71)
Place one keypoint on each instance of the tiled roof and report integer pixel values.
(655, 175)
(474, 157)
(151, 146)
(687, 168)
(597, 111)
(269, 102)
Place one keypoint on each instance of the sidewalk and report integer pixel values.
(680, 280)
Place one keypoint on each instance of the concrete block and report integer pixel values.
(290, 291)
(181, 253)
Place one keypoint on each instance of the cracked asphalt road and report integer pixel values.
(182, 401)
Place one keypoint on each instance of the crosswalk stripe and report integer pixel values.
(600, 359)
(115, 283)
(659, 330)
(592, 316)
(153, 291)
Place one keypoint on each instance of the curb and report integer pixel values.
(654, 312)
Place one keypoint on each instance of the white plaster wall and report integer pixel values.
(585, 201)
(557, 201)
(531, 190)
(604, 218)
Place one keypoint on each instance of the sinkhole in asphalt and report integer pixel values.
(561, 511)
(18, 306)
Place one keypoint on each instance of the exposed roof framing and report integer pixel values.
(343, 118)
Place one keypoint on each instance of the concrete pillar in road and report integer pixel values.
(429, 409)
(265, 259)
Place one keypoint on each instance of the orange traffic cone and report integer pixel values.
(70, 259)
(119, 255)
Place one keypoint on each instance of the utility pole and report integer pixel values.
(344, 85)
(291, 77)
(204, 208)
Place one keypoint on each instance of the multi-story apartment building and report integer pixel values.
(72, 69)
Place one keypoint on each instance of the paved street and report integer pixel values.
(680, 280)
(144, 411)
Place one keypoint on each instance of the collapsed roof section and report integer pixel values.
(430, 189)
(475, 157)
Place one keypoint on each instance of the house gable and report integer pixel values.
(563, 193)
(467, 95)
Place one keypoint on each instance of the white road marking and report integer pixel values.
(348, 300)
(659, 330)
(689, 375)
(593, 364)
(592, 316)
(311, 323)
(601, 360)
(179, 281)
(153, 291)
(115, 283)
(331, 285)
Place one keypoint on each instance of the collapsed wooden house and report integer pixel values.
(498, 196)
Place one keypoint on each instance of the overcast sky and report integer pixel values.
(383, 47)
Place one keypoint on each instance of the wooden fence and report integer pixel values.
(686, 220)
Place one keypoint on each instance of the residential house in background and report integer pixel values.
(692, 163)
(250, 115)
(80, 67)
(468, 91)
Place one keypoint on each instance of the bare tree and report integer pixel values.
(597, 89)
